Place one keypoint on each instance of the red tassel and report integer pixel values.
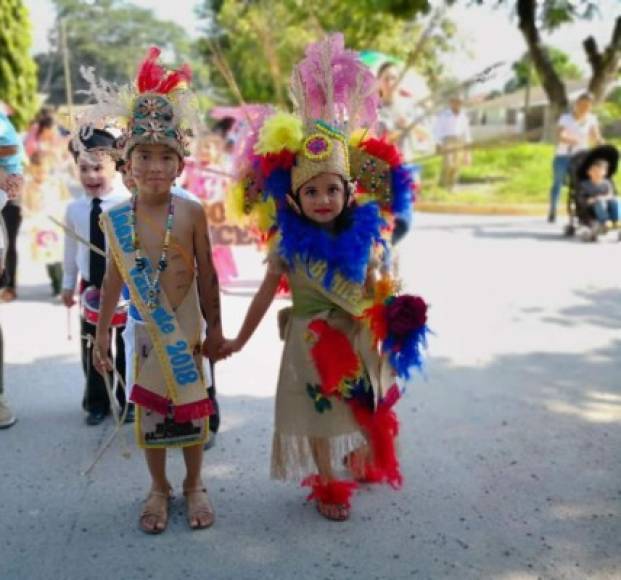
(334, 492)
(149, 400)
(191, 411)
(284, 289)
(383, 150)
(161, 405)
(334, 357)
(376, 318)
(382, 427)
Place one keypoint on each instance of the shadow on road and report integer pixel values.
(603, 309)
(512, 470)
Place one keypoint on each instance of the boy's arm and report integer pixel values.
(110, 292)
(207, 278)
(7, 150)
(70, 264)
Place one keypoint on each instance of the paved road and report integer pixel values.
(510, 447)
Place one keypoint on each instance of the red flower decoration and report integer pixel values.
(272, 161)
(405, 314)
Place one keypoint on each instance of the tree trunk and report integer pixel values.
(552, 83)
(603, 64)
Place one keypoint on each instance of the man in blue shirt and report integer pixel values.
(11, 180)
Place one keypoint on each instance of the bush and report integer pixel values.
(513, 173)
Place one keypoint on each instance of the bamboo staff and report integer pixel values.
(417, 51)
(491, 143)
(479, 77)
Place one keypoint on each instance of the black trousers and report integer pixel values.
(95, 395)
(214, 420)
(12, 215)
(1, 362)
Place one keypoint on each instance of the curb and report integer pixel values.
(493, 209)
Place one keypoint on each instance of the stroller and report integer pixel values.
(580, 214)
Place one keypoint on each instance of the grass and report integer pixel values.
(517, 173)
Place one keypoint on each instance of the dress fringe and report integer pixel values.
(292, 456)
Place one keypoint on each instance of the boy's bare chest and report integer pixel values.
(151, 233)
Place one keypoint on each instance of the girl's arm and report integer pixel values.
(109, 298)
(258, 307)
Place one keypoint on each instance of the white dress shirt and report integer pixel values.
(448, 124)
(78, 218)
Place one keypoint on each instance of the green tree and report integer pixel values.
(524, 74)
(261, 53)
(112, 36)
(18, 72)
(535, 18)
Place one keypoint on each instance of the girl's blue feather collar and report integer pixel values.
(346, 252)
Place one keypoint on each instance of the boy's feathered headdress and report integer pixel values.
(157, 108)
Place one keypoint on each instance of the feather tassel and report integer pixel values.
(334, 492)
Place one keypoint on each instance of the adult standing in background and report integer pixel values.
(7, 417)
(398, 112)
(452, 135)
(395, 125)
(46, 193)
(577, 131)
(11, 166)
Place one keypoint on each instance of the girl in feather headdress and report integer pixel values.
(329, 201)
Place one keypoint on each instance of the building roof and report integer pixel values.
(538, 97)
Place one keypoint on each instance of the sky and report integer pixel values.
(489, 35)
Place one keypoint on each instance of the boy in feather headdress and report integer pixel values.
(160, 251)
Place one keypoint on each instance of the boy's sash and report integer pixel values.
(179, 381)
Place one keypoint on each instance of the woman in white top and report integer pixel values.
(577, 131)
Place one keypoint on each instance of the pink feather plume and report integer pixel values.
(336, 85)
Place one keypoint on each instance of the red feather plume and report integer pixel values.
(334, 357)
(376, 318)
(383, 150)
(152, 77)
(382, 428)
(334, 492)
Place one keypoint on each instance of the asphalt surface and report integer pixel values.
(510, 445)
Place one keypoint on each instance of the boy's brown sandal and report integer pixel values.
(154, 516)
(201, 515)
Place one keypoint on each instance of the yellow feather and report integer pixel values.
(280, 131)
(234, 205)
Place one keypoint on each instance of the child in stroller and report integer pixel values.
(592, 197)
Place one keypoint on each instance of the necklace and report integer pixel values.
(153, 284)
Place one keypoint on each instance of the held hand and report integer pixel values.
(101, 360)
(68, 298)
(229, 347)
(211, 345)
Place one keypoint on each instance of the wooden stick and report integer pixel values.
(416, 52)
(77, 236)
(491, 143)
